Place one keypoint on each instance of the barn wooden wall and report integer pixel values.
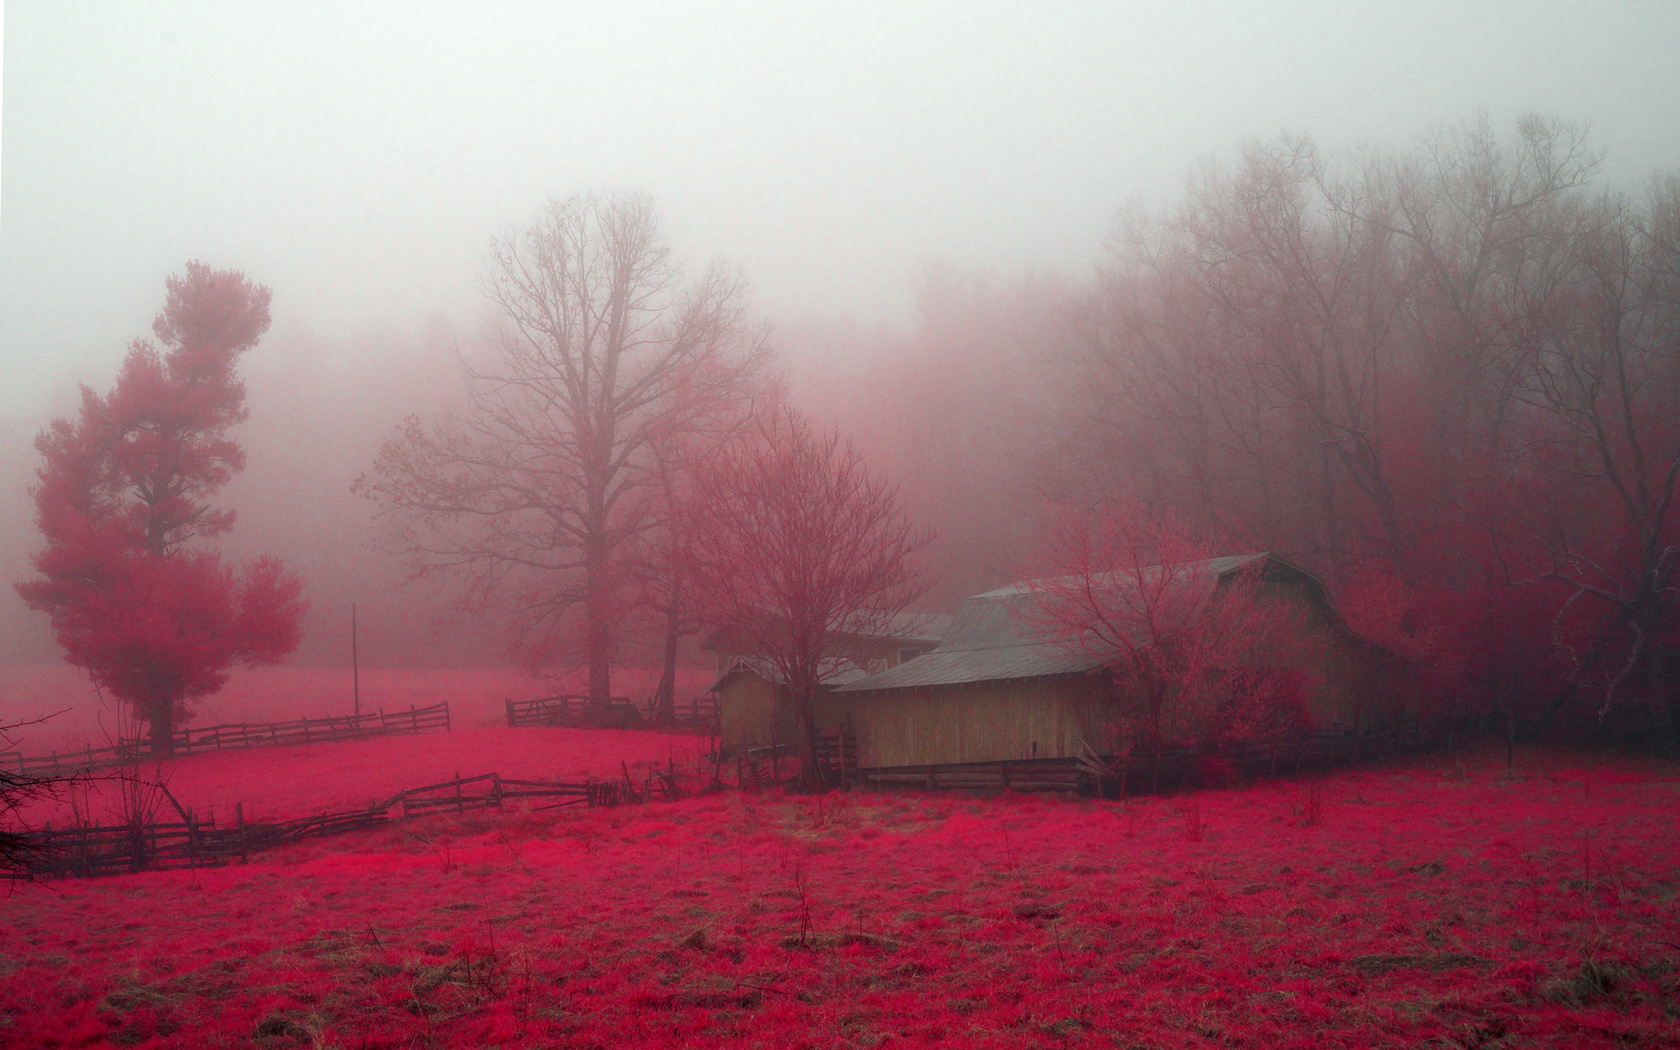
(979, 722)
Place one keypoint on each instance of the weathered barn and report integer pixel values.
(755, 709)
(1001, 688)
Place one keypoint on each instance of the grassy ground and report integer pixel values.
(1444, 903)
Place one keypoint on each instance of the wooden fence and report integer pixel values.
(1166, 770)
(240, 735)
(91, 850)
(1049, 774)
(624, 713)
(193, 842)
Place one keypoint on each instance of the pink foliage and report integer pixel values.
(1210, 658)
(152, 615)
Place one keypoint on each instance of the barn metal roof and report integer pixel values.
(833, 672)
(993, 636)
(951, 667)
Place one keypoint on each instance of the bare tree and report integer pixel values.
(1595, 466)
(537, 491)
(800, 549)
(659, 557)
(18, 850)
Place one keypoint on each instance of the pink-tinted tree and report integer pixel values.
(1196, 650)
(798, 548)
(720, 397)
(136, 597)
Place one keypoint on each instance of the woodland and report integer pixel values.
(1444, 382)
(1441, 379)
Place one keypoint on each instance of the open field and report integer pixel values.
(1439, 903)
(285, 782)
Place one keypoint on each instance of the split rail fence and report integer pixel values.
(1150, 773)
(92, 849)
(235, 736)
(89, 850)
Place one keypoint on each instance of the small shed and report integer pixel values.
(1001, 689)
(755, 708)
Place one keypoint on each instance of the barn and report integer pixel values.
(1000, 688)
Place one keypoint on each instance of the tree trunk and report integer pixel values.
(161, 715)
(598, 626)
(665, 697)
(810, 775)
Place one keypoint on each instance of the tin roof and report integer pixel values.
(920, 628)
(834, 672)
(994, 637)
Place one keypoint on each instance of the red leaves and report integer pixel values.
(802, 550)
(1196, 652)
(123, 497)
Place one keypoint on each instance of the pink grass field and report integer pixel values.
(1434, 902)
(284, 782)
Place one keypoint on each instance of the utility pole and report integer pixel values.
(355, 661)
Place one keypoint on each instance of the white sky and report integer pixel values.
(357, 156)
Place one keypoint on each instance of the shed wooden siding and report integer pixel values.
(753, 713)
(977, 722)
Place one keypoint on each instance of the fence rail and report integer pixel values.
(622, 713)
(235, 736)
(94, 849)
(89, 850)
(1160, 771)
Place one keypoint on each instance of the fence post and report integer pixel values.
(496, 788)
(460, 804)
(244, 847)
(448, 723)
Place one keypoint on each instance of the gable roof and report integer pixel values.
(905, 627)
(993, 636)
(835, 672)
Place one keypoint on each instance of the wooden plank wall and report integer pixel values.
(981, 722)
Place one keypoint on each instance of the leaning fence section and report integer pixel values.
(193, 842)
(235, 736)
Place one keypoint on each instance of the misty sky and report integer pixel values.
(358, 156)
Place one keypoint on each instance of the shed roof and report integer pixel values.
(994, 637)
(907, 627)
(835, 672)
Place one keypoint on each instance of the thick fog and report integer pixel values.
(914, 194)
